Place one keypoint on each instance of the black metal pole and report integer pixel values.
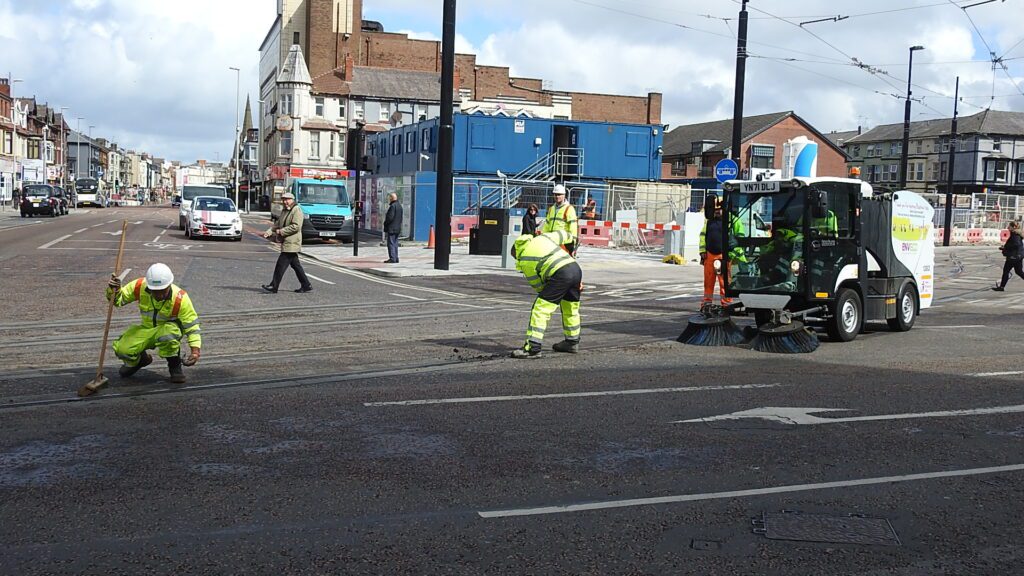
(906, 123)
(948, 224)
(737, 135)
(741, 72)
(357, 203)
(445, 142)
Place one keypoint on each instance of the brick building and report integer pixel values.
(692, 151)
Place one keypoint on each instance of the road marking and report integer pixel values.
(96, 225)
(155, 240)
(952, 327)
(987, 374)
(805, 417)
(475, 399)
(111, 221)
(747, 493)
(118, 233)
(320, 279)
(80, 230)
(137, 222)
(409, 297)
(674, 297)
(48, 244)
(464, 305)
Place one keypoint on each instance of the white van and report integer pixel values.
(192, 191)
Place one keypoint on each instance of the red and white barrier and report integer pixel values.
(599, 232)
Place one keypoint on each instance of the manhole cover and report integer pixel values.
(849, 529)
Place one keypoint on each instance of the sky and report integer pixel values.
(154, 75)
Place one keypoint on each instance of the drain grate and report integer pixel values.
(845, 529)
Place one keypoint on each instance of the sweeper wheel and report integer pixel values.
(703, 330)
(792, 338)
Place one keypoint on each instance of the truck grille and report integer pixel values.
(327, 223)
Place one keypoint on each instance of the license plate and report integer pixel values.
(35, 203)
(328, 234)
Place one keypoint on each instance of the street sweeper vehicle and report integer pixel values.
(826, 252)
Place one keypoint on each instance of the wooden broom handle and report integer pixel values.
(110, 305)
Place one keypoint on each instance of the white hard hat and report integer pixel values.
(559, 189)
(159, 276)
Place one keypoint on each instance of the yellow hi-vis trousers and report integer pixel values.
(165, 338)
(562, 290)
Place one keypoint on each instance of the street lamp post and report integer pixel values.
(78, 149)
(238, 139)
(89, 167)
(63, 147)
(906, 122)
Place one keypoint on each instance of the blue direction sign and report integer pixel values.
(726, 169)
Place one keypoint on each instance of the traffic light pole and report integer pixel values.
(357, 203)
(445, 142)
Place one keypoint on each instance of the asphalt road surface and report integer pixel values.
(377, 427)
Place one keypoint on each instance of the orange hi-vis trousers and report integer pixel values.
(710, 277)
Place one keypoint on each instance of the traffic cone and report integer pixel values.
(430, 239)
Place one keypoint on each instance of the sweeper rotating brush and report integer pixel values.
(710, 329)
(791, 338)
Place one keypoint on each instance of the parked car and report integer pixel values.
(213, 217)
(40, 199)
(175, 200)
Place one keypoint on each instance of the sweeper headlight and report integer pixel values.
(795, 266)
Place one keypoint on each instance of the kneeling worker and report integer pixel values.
(558, 279)
(167, 316)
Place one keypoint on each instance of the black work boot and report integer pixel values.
(174, 367)
(129, 371)
(529, 351)
(568, 346)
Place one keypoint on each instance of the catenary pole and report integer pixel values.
(905, 153)
(445, 141)
(948, 223)
(737, 126)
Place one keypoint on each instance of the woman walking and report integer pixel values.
(1013, 250)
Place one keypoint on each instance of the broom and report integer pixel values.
(92, 386)
(791, 338)
(712, 327)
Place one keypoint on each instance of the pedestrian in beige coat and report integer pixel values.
(288, 233)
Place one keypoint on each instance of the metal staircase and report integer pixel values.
(560, 164)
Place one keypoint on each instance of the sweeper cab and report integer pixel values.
(827, 252)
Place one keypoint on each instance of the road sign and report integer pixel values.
(726, 169)
(99, 171)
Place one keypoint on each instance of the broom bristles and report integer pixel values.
(792, 339)
(704, 331)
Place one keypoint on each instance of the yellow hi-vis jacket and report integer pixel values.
(178, 308)
(539, 257)
(562, 218)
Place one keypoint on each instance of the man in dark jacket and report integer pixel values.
(1013, 250)
(393, 227)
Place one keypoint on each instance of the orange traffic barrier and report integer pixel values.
(430, 239)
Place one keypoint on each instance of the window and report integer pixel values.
(963, 144)
(33, 150)
(426, 140)
(410, 143)
(895, 148)
(314, 145)
(874, 150)
(942, 171)
(944, 143)
(919, 171)
(358, 110)
(286, 104)
(919, 146)
(762, 156)
(894, 170)
(341, 108)
(8, 142)
(295, 37)
(396, 144)
(340, 150)
(997, 144)
(856, 151)
(1020, 173)
(318, 110)
(995, 170)
(385, 113)
(286, 143)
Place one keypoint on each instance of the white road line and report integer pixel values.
(155, 240)
(464, 305)
(371, 278)
(80, 230)
(674, 297)
(320, 279)
(623, 311)
(987, 374)
(747, 493)
(409, 297)
(111, 221)
(805, 416)
(569, 395)
(951, 327)
(48, 244)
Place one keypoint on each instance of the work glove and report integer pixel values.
(115, 283)
(192, 358)
(703, 257)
